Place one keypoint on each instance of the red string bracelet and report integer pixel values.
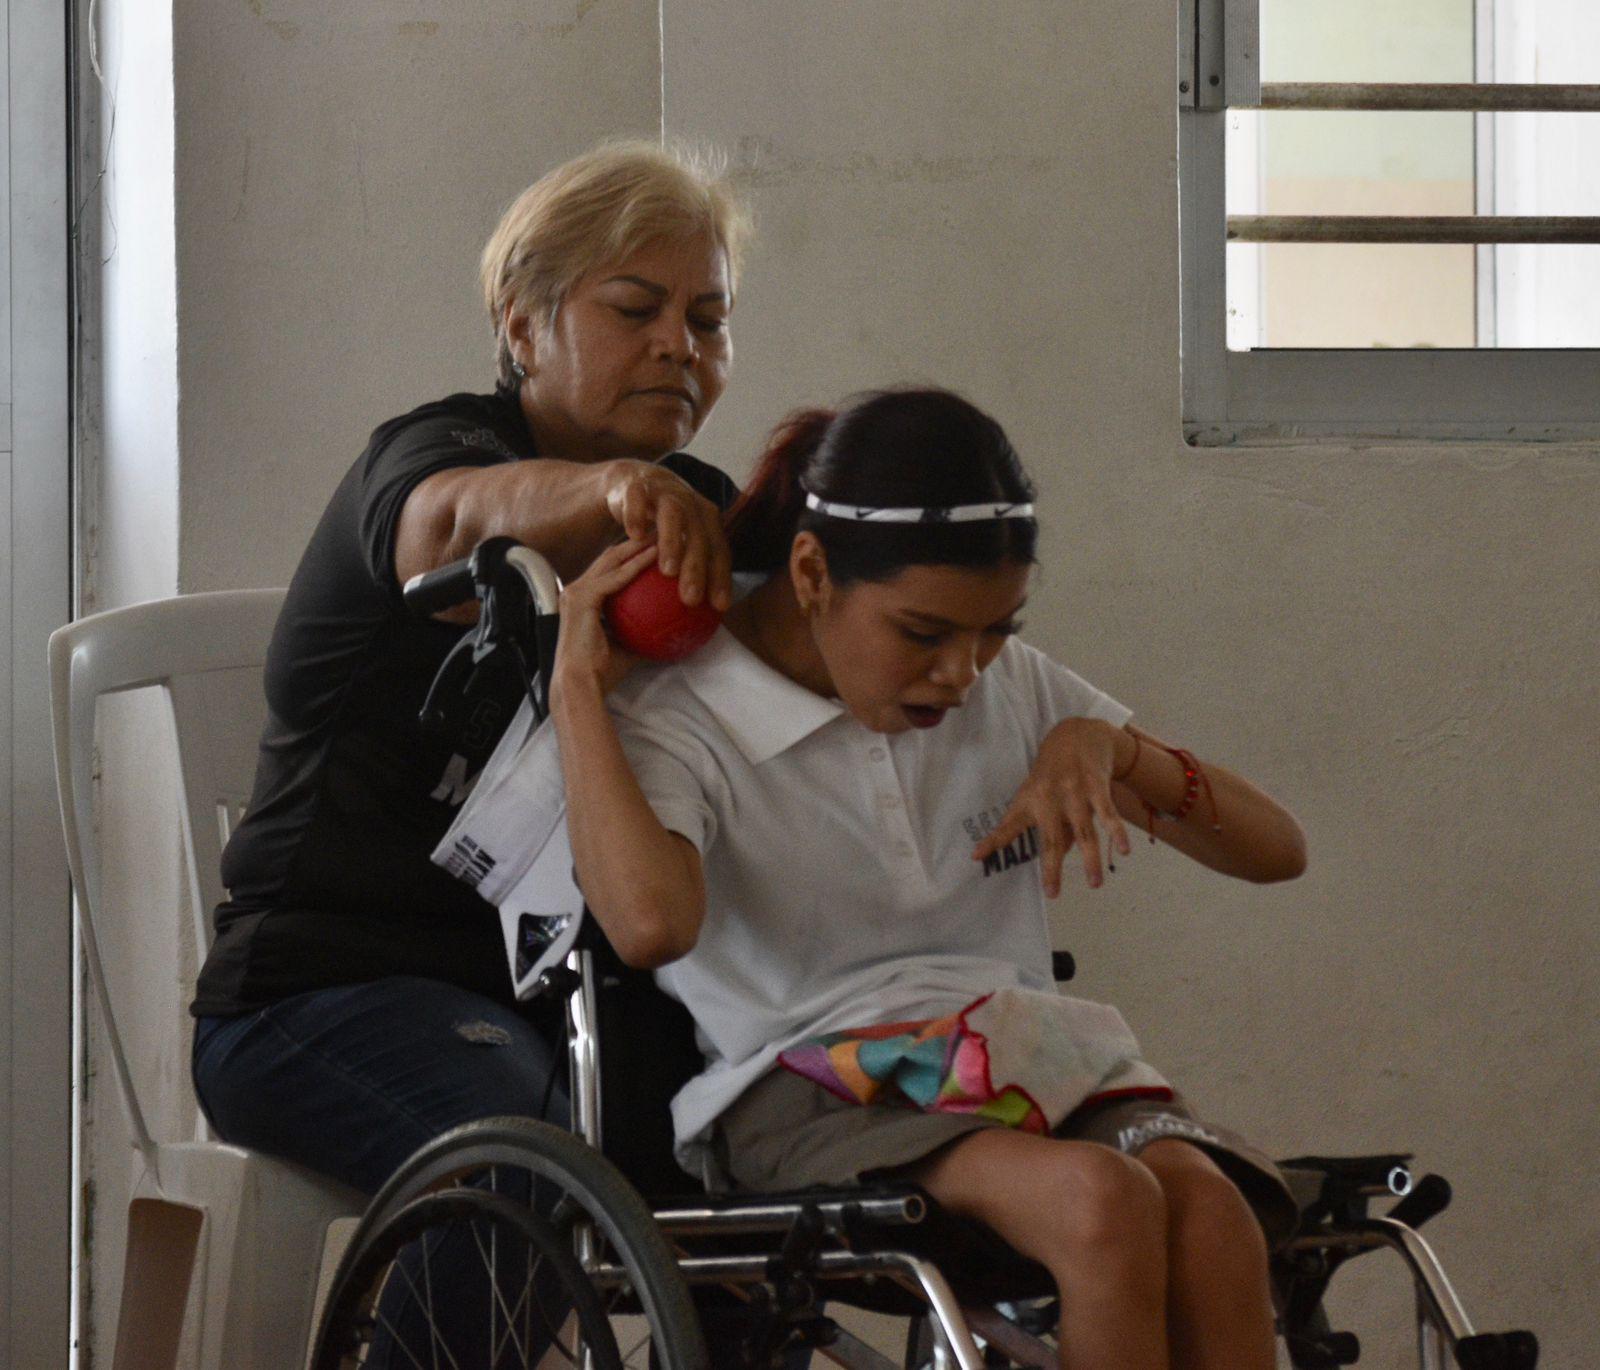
(1194, 780)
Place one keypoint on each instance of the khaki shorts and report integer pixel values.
(785, 1132)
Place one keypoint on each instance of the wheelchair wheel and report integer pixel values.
(395, 1309)
(630, 1306)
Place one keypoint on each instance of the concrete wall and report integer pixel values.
(128, 551)
(338, 171)
(1399, 643)
(308, 271)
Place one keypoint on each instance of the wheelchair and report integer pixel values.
(579, 1269)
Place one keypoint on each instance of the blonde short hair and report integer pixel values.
(598, 207)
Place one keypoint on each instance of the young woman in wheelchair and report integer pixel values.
(848, 811)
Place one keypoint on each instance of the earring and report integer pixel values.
(519, 370)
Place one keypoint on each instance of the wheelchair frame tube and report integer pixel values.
(583, 1050)
(1439, 1311)
(1432, 1344)
(583, 1079)
(689, 1221)
(913, 1272)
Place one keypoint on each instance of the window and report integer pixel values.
(1390, 218)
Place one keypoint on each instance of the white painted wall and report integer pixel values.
(297, 198)
(1400, 643)
(129, 552)
(339, 169)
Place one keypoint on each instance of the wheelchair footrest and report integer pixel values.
(1498, 1351)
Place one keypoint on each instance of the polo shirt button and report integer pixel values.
(903, 848)
(877, 753)
(889, 801)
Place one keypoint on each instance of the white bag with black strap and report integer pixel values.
(509, 842)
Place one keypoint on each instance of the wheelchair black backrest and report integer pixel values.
(647, 1054)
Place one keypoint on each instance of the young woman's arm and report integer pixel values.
(641, 881)
(1070, 795)
(1232, 826)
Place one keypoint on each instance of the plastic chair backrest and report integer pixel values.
(205, 653)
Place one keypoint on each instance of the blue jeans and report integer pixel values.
(350, 1081)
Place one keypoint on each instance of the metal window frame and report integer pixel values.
(1266, 395)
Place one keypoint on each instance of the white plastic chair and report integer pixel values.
(248, 1231)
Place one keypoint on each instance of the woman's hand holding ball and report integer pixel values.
(650, 503)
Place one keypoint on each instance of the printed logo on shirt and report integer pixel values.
(1018, 852)
(485, 440)
(483, 725)
(980, 825)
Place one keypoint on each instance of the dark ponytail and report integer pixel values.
(764, 519)
(890, 448)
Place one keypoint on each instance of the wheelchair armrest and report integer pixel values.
(1343, 1186)
(1386, 1173)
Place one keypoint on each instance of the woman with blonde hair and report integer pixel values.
(356, 1001)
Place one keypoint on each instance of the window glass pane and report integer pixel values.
(1362, 162)
(1417, 164)
(1357, 295)
(1540, 164)
(1367, 295)
(1540, 40)
(1368, 40)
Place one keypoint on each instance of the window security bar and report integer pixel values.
(1473, 97)
(1386, 228)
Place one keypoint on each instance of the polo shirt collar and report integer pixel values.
(761, 709)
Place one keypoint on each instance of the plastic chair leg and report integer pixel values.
(157, 1271)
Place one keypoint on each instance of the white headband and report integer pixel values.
(961, 513)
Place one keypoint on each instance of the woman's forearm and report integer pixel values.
(556, 507)
(1232, 826)
(642, 882)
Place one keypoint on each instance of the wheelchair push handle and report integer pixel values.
(444, 587)
(520, 597)
(432, 592)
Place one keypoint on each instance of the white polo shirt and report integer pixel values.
(840, 885)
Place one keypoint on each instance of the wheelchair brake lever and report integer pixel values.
(458, 664)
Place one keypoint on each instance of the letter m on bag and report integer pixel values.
(454, 785)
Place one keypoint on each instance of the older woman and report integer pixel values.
(357, 1001)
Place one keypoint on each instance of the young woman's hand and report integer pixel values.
(585, 654)
(1067, 796)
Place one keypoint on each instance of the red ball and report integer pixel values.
(648, 618)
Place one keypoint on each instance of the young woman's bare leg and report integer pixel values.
(1092, 1216)
(1218, 1298)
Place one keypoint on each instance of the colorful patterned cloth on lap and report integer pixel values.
(1051, 1054)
